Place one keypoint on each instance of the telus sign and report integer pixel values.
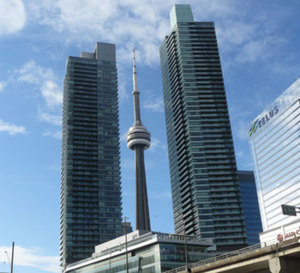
(262, 121)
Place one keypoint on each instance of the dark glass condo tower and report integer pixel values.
(90, 180)
(250, 206)
(205, 189)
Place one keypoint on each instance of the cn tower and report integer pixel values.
(138, 139)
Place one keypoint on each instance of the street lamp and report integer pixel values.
(12, 257)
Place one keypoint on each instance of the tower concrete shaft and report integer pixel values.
(138, 139)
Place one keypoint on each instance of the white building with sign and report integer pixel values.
(275, 144)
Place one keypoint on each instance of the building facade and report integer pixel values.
(205, 189)
(274, 140)
(147, 252)
(90, 180)
(250, 206)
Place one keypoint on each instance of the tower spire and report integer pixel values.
(134, 72)
(138, 139)
(135, 93)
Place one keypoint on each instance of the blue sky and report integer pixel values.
(259, 47)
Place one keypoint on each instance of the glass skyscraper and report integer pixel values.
(275, 143)
(90, 178)
(205, 189)
(250, 206)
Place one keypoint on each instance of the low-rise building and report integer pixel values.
(141, 251)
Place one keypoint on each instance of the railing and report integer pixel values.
(218, 258)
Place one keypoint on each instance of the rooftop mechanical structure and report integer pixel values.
(138, 140)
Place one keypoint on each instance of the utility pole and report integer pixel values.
(12, 257)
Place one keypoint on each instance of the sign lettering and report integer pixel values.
(288, 235)
(262, 121)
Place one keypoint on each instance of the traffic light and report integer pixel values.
(289, 210)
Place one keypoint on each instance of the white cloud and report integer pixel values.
(156, 144)
(12, 16)
(32, 73)
(56, 134)
(123, 136)
(32, 258)
(124, 89)
(2, 85)
(246, 41)
(51, 93)
(214, 8)
(44, 79)
(256, 50)
(11, 128)
(50, 118)
(155, 105)
(235, 33)
(129, 24)
(144, 23)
